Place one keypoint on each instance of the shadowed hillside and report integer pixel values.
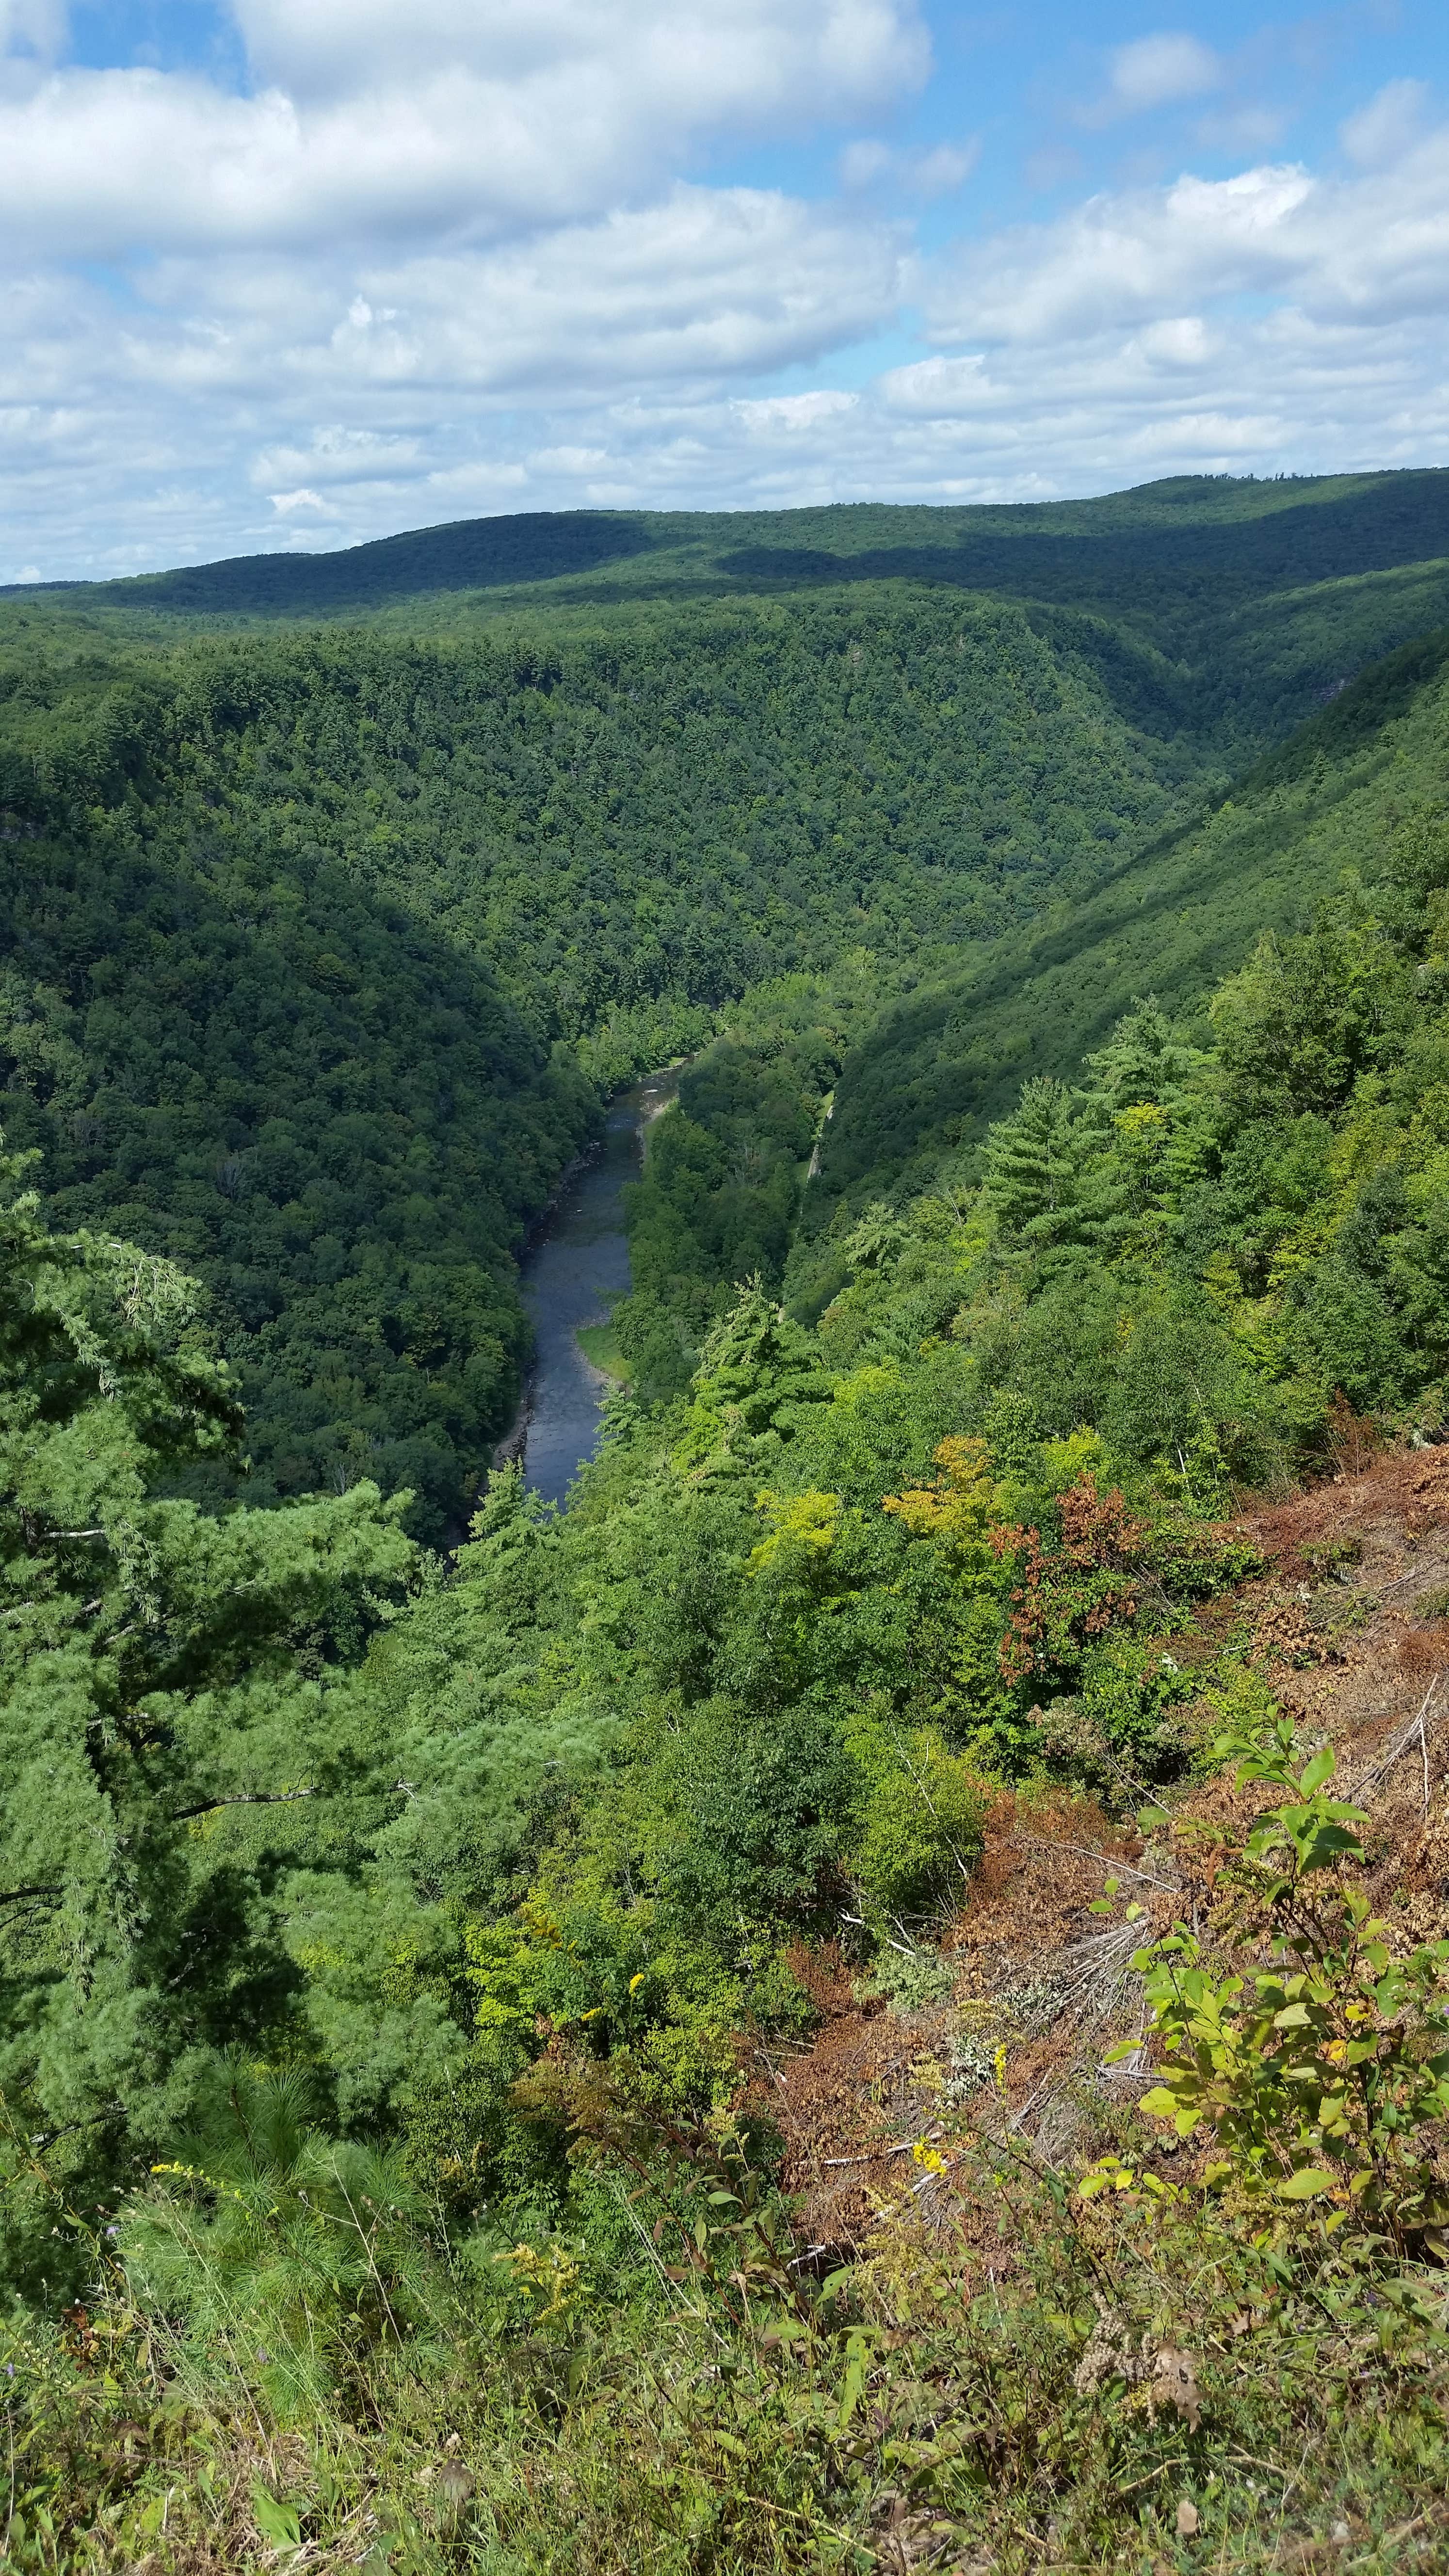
(1171, 921)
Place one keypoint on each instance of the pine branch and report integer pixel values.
(249, 1798)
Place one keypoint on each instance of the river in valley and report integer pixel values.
(570, 1277)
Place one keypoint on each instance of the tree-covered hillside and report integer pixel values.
(319, 947)
(708, 2030)
(317, 950)
(821, 1094)
(713, 2027)
(1323, 807)
(1182, 542)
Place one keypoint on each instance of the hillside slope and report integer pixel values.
(1158, 543)
(823, 2005)
(293, 926)
(1171, 921)
(942, 760)
(1261, 596)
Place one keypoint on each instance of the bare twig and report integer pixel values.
(1399, 1745)
(1043, 1842)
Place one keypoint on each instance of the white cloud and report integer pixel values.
(1366, 248)
(1158, 70)
(1183, 341)
(288, 503)
(427, 387)
(795, 411)
(441, 263)
(336, 455)
(830, 55)
(1119, 259)
(710, 283)
(378, 116)
(937, 388)
(1390, 124)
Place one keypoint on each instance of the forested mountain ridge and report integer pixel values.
(1170, 922)
(709, 2029)
(1256, 597)
(1237, 532)
(317, 949)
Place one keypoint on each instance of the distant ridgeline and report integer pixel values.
(321, 943)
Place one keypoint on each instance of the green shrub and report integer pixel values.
(1318, 2061)
(920, 1817)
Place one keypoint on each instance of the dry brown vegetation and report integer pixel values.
(1348, 1627)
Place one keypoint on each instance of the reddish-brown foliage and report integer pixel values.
(1073, 1592)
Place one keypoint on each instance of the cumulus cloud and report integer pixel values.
(1120, 257)
(820, 54)
(448, 259)
(795, 412)
(393, 390)
(286, 504)
(708, 284)
(1361, 248)
(411, 215)
(377, 116)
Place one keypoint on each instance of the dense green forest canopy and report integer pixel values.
(320, 948)
(1320, 809)
(776, 1589)
(399, 1873)
(382, 1938)
(319, 951)
(1261, 596)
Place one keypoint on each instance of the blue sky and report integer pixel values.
(299, 272)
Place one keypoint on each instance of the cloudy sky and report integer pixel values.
(283, 273)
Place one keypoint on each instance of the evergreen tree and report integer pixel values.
(1034, 1166)
(153, 1690)
(1150, 1095)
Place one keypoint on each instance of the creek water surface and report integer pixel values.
(569, 1279)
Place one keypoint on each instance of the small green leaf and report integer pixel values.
(280, 2524)
(1159, 2104)
(1321, 1768)
(1307, 2183)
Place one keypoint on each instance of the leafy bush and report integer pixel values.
(920, 1815)
(1318, 2061)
